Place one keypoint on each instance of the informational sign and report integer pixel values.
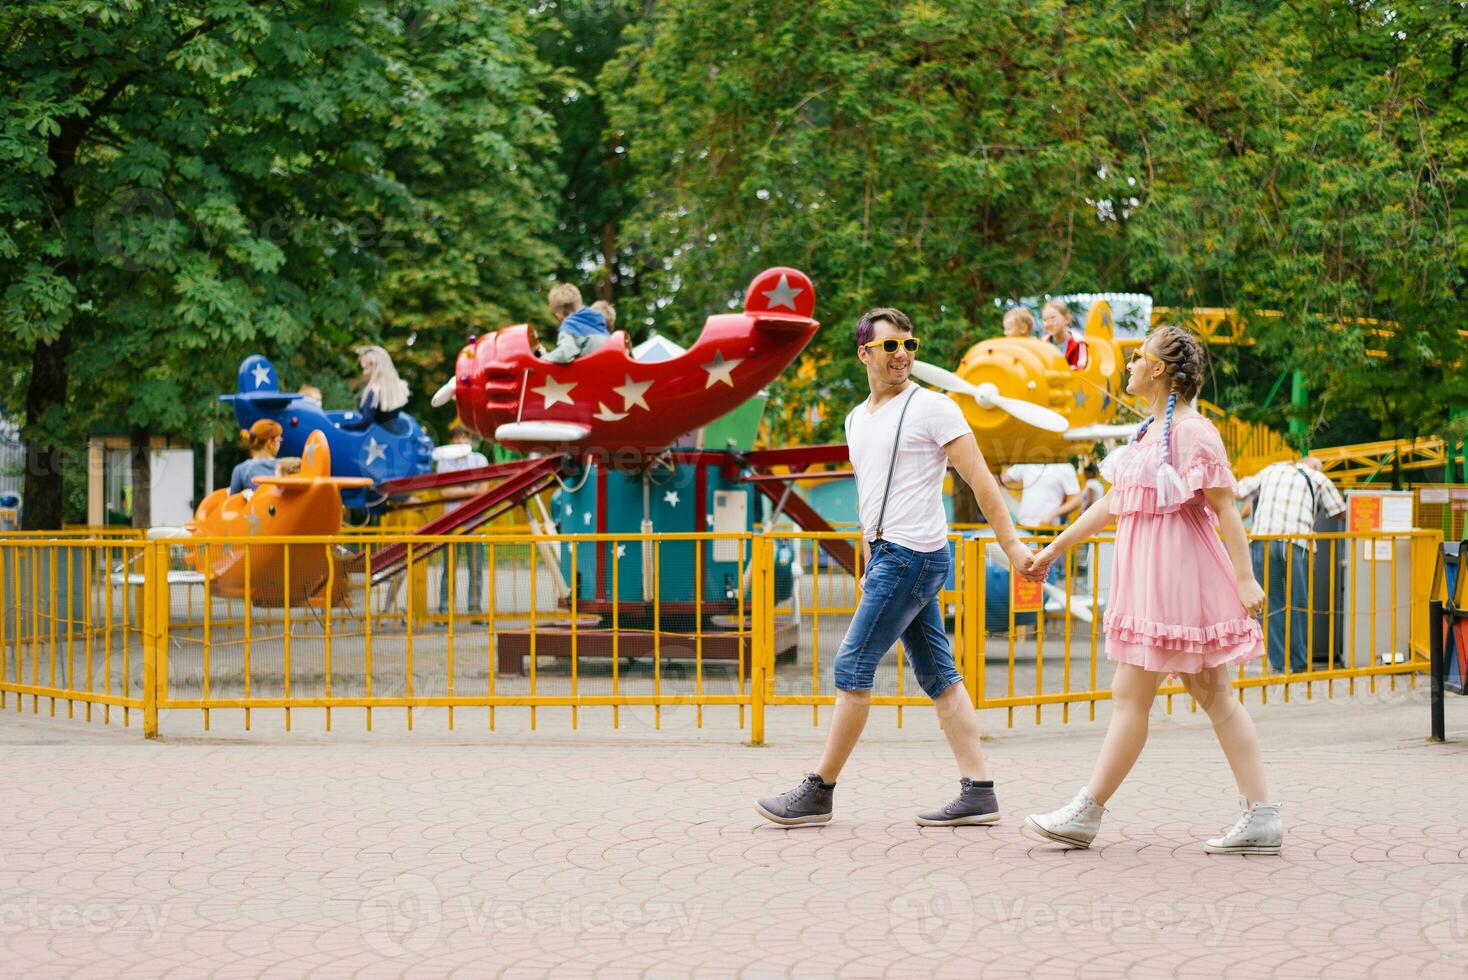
(1378, 511)
(1024, 595)
(1433, 495)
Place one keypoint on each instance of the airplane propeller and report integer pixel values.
(987, 395)
(444, 395)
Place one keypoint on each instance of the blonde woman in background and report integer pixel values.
(383, 393)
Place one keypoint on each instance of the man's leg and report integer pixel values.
(885, 610)
(1278, 604)
(847, 723)
(1299, 607)
(476, 576)
(443, 580)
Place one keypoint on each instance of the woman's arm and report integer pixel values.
(1221, 499)
(1090, 523)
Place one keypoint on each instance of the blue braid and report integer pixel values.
(1166, 428)
(1142, 430)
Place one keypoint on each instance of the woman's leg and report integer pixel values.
(1132, 691)
(1234, 728)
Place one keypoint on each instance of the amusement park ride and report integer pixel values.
(619, 440)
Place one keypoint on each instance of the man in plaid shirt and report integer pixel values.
(1289, 496)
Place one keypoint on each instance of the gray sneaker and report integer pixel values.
(1074, 824)
(810, 802)
(975, 804)
(1259, 830)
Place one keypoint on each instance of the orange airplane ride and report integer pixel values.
(277, 574)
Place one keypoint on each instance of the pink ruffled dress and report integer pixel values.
(1174, 602)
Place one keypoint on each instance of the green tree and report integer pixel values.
(185, 182)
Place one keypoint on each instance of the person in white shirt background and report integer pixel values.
(472, 551)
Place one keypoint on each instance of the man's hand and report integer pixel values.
(1021, 559)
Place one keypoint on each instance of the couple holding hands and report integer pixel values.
(1182, 602)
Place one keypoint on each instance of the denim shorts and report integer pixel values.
(900, 599)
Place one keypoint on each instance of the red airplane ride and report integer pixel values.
(611, 404)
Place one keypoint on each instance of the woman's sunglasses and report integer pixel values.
(1139, 354)
(891, 344)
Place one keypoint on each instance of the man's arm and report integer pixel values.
(1335, 504)
(1070, 503)
(1247, 487)
(968, 462)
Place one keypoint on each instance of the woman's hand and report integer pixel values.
(1251, 596)
(1022, 560)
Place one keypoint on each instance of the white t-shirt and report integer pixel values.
(469, 461)
(1046, 485)
(915, 517)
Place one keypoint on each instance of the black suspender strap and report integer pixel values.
(896, 441)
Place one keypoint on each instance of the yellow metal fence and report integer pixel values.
(731, 623)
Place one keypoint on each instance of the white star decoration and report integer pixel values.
(568, 510)
(1080, 398)
(621, 551)
(721, 370)
(671, 498)
(783, 294)
(253, 520)
(310, 453)
(586, 518)
(375, 450)
(605, 414)
(632, 392)
(262, 375)
(553, 391)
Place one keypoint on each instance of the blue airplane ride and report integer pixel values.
(378, 452)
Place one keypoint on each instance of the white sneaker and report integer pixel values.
(1075, 824)
(1259, 830)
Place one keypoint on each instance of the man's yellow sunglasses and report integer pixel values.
(891, 343)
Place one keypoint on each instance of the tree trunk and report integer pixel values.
(44, 471)
(607, 288)
(142, 473)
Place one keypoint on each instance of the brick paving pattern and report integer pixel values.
(632, 852)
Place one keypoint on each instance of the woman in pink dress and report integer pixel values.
(1182, 602)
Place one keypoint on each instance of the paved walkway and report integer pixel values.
(632, 852)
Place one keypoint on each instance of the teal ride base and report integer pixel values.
(688, 581)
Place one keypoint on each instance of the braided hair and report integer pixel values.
(1181, 354)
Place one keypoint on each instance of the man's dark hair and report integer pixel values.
(866, 326)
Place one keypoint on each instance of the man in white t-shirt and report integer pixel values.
(473, 551)
(1048, 492)
(905, 546)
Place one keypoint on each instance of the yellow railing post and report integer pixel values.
(151, 579)
(762, 620)
(973, 615)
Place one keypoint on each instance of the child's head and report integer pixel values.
(1019, 322)
(607, 311)
(260, 436)
(564, 300)
(459, 433)
(1055, 315)
(311, 393)
(288, 466)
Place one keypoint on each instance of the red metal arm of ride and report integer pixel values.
(527, 479)
(802, 513)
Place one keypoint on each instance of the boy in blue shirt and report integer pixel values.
(582, 330)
